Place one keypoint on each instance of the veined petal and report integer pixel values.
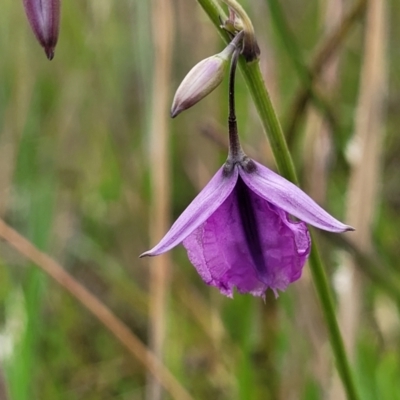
(221, 251)
(198, 211)
(44, 17)
(290, 198)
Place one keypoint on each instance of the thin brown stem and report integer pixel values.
(371, 265)
(329, 47)
(116, 327)
(160, 180)
(365, 171)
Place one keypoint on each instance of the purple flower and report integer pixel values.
(44, 17)
(238, 231)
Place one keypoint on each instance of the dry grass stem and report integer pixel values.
(328, 48)
(116, 327)
(316, 158)
(160, 178)
(364, 153)
(3, 387)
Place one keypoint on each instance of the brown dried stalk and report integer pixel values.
(162, 24)
(365, 153)
(329, 47)
(116, 327)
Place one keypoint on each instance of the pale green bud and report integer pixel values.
(201, 80)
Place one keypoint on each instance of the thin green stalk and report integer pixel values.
(255, 82)
(285, 165)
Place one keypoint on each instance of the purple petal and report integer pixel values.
(44, 17)
(290, 198)
(202, 79)
(208, 200)
(221, 251)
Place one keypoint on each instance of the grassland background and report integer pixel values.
(74, 179)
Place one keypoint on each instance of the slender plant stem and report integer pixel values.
(284, 162)
(255, 82)
(272, 127)
(373, 266)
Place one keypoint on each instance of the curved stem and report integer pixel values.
(273, 130)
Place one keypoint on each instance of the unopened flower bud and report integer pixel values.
(202, 79)
(44, 18)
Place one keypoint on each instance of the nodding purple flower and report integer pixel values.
(44, 18)
(238, 231)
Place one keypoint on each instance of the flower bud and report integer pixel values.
(44, 18)
(201, 80)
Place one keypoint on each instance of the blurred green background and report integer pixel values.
(78, 144)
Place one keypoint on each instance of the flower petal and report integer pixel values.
(290, 198)
(44, 17)
(221, 252)
(207, 201)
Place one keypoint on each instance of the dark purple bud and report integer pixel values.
(44, 17)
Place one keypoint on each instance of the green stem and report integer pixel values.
(335, 337)
(272, 127)
(255, 82)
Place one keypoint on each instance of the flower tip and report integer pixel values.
(175, 111)
(201, 80)
(349, 228)
(44, 18)
(276, 294)
(49, 52)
